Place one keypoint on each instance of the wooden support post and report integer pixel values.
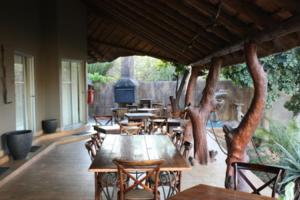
(237, 139)
(199, 115)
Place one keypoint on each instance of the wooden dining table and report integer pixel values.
(207, 192)
(136, 147)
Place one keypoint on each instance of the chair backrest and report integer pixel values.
(103, 119)
(96, 140)
(131, 128)
(90, 147)
(125, 167)
(274, 175)
(158, 122)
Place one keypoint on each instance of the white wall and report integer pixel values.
(48, 30)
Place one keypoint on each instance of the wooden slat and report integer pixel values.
(103, 12)
(137, 19)
(186, 24)
(232, 24)
(138, 147)
(129, 50)
(120, 17)
(202, 21)
(289, 26)
(214, 193)
(259, 17)
(170, 25)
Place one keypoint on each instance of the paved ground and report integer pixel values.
(63, 174)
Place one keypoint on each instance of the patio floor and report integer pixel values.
(63, 174)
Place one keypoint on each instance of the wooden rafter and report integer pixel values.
(292, 5)
(154, 23)
(229, 22)
(129, 22)
(186, 24)
(124, 21)
(125, 48)
(171, 24)
(260, 18)
(208, 24)
(289, 26)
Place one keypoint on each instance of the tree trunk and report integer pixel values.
(238, 139)
(189, 98)
(199, 115)
(175, 102)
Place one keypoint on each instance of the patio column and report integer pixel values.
(238, 138)
(200, 114)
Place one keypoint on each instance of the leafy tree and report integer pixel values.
(148, 69)
(283, 71)
(180, 70)
(97, 72)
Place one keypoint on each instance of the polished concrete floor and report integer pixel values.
(63, 174)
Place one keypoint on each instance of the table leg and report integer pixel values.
(179, 181)
(97, 187)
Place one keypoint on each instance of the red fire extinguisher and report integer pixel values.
(90, 96)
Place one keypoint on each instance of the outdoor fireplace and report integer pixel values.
(125, 88)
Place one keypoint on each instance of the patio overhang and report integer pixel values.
(190, 31)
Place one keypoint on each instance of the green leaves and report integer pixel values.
(98, 78)
(97, 72)
(283, 73)
(288, 192)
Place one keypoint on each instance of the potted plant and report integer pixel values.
(19, 143)
(49, 125)
(291, 163)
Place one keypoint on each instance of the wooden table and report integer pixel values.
(171, 122)
(147, 110)
(142, 116)
(114, 129)
(137, 147)
(207, 192)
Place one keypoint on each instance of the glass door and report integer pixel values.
(71, 95)
(24, 92)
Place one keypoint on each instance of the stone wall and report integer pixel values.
(160, 91)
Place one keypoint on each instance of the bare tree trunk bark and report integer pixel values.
(175, 102)
(189, 98)
(191, 85)
(199, 115)
(238, 139)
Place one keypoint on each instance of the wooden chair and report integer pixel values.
(97, 140)
(90, 146)
(158, 123)
(131, 128)
(100, 118)
(133, 191)
(276, 173)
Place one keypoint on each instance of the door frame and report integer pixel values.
(82, 88)
(30, 95)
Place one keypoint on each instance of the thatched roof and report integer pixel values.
(190, 31)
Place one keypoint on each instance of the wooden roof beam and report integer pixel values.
(185, 23)
(161, 17)
(229, 22)
(130, 23)
(137, 29)
(96, 50)
(202, 21)
(286, 27)
(154, 22)
(290, 5)
(131, 50)
(259, 17)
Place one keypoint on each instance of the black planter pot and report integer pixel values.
(49, 125)
(19, 143)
